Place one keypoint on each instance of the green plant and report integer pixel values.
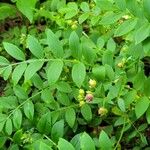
(75, 76)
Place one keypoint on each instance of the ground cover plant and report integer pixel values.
(74, 74)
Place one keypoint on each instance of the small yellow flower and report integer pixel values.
(81, 103)
(102, 111)
(92, 83)
(81, 92)
(74, 27)
(120, 65)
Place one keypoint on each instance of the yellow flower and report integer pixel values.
(120, 65)
(81, 103)
(102, 111)
(92, 83)
(81, 92)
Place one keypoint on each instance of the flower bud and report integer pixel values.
(120, 65)
(74, 27)
(102, 111)
(69, 22)
(81, 103)
(89, 97)
(81, 92)
(92, 83)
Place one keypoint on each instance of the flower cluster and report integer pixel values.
(88, 95)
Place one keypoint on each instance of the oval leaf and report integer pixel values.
(63, 145)
(86, 142)
(34, 46)
(54, 71)
(125, 27)
(29, 109)
(141, 106)
(18, 72)
(105, 142)
(32, 68)
(74, 45)
(70, 116)
(142, 33)
(14, 51)
(86, 112)
(54, 44)
(17, 118)
(78, 73)
(8, 126)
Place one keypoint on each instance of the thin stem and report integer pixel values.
(50, 140)
(36, 60)
(121, 135)
(64, 108)
(12, 112)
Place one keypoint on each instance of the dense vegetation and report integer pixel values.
(74, 74)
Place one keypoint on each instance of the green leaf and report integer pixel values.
(83, 17)
(8, 126)
(54, 71)
(6, 71)
(89, 53)
(78, 73)
(105, 142)
(63, 99)
(57, 130)
(146, 5)
(9, 102)
(29, 109)
(121, 4)
(47, 96)
(3, 118)
(14, 147)
(148, 115)
(2, 141)
(109, 72)
(86, 112)
(86, 142)
(64, 87)
(110, 18)
(111, 45)
(14, 51)
(142, 33)
(126, 27)
(41, 145)
(17, 119)
(70, 116)
(31, 69)
(17, 136)
(141, 106)
(85, 7)
(121, 104)
(27, 8)
(7, 10)
(75, 141)
(72, 10)
(20, 92)
(18, 72)
(4, 61)
(99, 72)
(63, 145)
(107, 58)
(34, 46)
(146, 87)
(44, 124)
(54, 44)
(74, 45)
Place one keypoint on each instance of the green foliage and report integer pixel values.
(74, 74)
